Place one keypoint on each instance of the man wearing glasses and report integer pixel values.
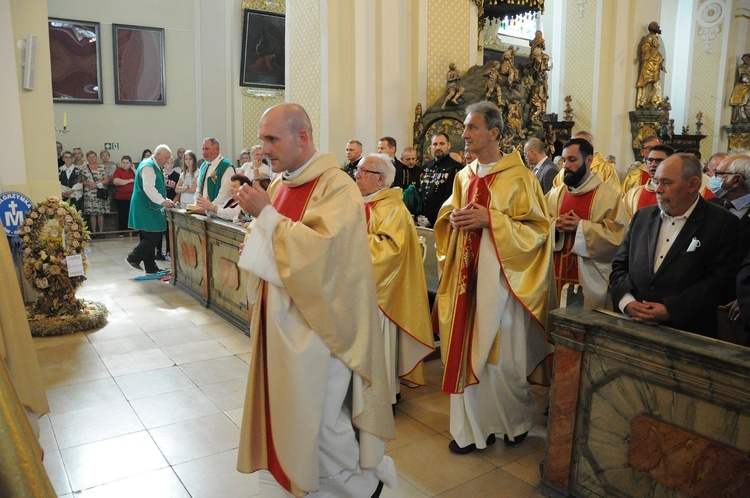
(640, 175)
(645, 195)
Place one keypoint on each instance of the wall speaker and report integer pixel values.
(29, 62)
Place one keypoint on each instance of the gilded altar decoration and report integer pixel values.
(492, 85)
(741, 93)
(648, 85)
(452, 88)
(53, 231)
(568, 111)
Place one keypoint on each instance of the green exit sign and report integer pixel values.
(111, 145)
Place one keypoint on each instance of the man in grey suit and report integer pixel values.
(678, 261)
(542, 166)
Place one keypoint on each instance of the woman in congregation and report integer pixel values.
(188, 179)
(94, 178)
(244, 157)
(231, 210)
(109, 166)
(123, 178)
(257, 168)
(145, 154)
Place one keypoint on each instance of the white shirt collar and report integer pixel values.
(298, 171)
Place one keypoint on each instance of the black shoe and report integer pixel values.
(154, 271)
(135, 266)
(378, 490)
(160, 257)
(517, 440)
(455, 448)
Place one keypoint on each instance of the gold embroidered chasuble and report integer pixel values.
(328, 290)
(520, 233)
(400, 279)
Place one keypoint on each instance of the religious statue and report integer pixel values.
(418, 126)
(539, 60)
(452, 89)
(549, 142)
(538, 101)
(741, 93)
(492, 84)
(652, 64)
(699, 123)
(508, 66)
(514, 118)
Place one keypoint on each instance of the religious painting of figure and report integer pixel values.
(262, 50)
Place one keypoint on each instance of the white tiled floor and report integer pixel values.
(149, 406)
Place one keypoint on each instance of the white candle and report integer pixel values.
(65, 120)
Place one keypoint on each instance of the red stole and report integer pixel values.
(290, 202)
(368, 210)
(645, 177)
(647, 198)
(566, 262)
(458, 371)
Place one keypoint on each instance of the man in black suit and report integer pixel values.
(387, 145)
(353, 157)
(678, 261)
(542, 166)
(436, 184)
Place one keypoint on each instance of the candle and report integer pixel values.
(65, 120)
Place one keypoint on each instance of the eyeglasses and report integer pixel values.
(359, 170)
(654, 160)
(723, 173)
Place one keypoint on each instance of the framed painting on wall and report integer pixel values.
(262, 62)
(75, 61)
(139, 65)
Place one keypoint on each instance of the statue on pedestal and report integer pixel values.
(741, 93)
(452, 89)
(652, 64)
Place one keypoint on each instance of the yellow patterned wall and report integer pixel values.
(253, 106)
(580, 34)
(705, 66)
(447, 41)
(304, 86)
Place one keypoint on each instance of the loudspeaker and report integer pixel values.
(29, 62)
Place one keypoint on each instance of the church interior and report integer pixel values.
(150, 403)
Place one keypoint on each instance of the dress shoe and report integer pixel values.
(135, 266)
(160, 256)
(455, 448)
(154, 271)
(516, 440)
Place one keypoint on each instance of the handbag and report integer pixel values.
(101, 193)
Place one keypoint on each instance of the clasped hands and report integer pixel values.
(568, 222)
(473, 216)
(647, 312)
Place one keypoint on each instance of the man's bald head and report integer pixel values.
(286, 133)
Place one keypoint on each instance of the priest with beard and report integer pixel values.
(588, 224)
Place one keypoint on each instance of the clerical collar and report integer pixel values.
(483, 169)
(686, 214)
(582, 184)
(370, 197)
(294, 174)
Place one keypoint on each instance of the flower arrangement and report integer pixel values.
(213, 176)
(54, 230)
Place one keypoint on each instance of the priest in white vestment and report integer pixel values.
(317, 414)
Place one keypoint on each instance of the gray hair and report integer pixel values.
(740, 164)
(691, 167)
(493, 117)
(213, 141)
(584, 135)
(162, 147)
(536, 145)
(254, 148)
(386, 167)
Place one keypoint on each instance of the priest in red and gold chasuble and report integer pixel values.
(494, 250)
(399, 274)
(315, 330)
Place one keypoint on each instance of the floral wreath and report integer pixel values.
(53, 230)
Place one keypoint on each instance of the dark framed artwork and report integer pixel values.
(139, 65)
(75, 61)
(262, 62)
